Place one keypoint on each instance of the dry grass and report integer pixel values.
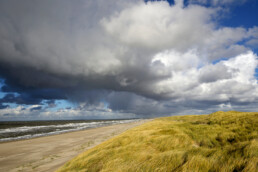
(221, 141)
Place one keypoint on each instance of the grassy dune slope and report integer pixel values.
(221, 141)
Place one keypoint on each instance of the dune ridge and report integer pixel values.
(221, 141)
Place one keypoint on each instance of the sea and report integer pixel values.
(18, 130)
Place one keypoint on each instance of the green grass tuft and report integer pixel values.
(221, 141)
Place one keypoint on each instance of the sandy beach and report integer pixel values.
(50, 152)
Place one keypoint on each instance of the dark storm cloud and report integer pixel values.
(99, 51)
(31, 85)
(21, 99)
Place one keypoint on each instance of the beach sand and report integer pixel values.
(50, 152)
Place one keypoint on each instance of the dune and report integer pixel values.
(221, 141)
(50, 152)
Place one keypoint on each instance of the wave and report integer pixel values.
(27, 132)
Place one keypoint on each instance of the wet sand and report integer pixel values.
(50, 152)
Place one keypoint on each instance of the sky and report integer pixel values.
(99, 59)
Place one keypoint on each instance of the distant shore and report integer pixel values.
(50, 152)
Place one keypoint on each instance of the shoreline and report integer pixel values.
(64, 132)
(48, 153)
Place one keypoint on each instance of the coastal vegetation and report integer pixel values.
(221, 141)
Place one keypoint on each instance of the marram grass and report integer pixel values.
(221, 141)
